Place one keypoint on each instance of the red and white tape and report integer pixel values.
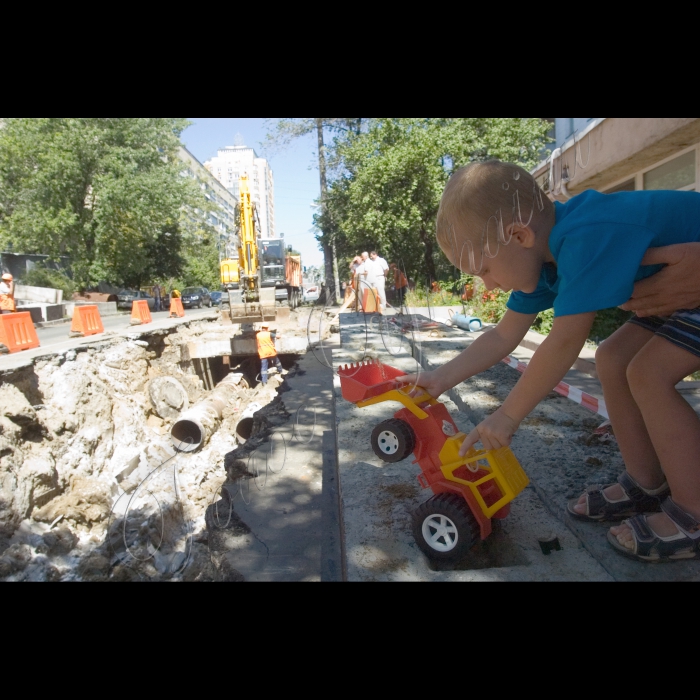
(571, 392)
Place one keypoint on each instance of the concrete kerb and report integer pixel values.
(557, 475)
(377, 501)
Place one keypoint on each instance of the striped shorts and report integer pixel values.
(682, 328)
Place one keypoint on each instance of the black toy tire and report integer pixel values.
(451, 510)
(393, 440)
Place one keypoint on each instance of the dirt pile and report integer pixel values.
(90, 486)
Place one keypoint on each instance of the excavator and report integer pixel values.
(249, 301)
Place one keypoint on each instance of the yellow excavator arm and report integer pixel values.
(250, 303)
(248, 251)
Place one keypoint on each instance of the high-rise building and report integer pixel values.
(232, 162)
(223, 216)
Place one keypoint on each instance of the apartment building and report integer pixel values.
(223, 218)
(232, 162)
(613, 154)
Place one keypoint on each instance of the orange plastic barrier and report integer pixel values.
(176, 310)
(370, 302)
(17, 332)
(140, 312)
(87, 321)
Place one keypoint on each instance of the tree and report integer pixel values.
(388, 177)
(286, 130)
(106, 192)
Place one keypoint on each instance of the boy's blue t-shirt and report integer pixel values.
(598, 242)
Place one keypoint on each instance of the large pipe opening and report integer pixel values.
(244, 429)
(187, 436)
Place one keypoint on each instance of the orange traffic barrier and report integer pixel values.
(140, 313)
(370, 303)
(176, 310)
(17, 332)
(87, 321)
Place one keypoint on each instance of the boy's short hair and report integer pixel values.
(480, 201)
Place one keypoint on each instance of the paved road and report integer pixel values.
(59, 334)
(55, 339)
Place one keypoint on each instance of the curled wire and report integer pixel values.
(295, 428)
(269, 454)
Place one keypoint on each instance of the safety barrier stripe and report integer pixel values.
(570, 392)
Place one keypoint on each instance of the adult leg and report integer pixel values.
(381, 288)
(263, 370)
(641, 461)
(673, 426)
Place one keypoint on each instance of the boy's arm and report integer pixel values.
(488, 349)
(549, 364)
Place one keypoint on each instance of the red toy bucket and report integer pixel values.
(366, 380)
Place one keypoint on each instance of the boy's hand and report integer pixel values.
(423, 380)
(495, 432)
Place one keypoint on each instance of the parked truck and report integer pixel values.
(281, 270)
(286, 278)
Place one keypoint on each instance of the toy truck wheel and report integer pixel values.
(445, 528)
(393, 440)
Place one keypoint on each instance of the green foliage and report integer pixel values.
(40, 276)
(421, 297)
(607, 322)
(490, 307)
(543, 322)
(107, 192)
(201, 267)
(387, 179)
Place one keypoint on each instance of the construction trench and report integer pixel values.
(120, 458)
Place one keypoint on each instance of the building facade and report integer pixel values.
(614, 154)
(232, 162)
(223, 218)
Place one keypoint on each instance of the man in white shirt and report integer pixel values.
(380, 270)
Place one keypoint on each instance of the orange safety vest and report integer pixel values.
(266, 346)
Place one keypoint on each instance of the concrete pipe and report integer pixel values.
(194, 427)
(244, 429)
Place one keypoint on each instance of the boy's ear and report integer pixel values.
(524, 235)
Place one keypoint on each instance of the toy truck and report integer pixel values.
(468, 491)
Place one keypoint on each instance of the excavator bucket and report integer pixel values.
(243, 311)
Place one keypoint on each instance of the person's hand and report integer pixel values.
(423, 382)
(676, 286)
(494, 432)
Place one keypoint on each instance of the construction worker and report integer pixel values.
(7, 294)
(400, 283)
(267, 352)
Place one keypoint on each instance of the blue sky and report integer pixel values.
(294, 170)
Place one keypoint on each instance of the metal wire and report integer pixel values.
(296, 426)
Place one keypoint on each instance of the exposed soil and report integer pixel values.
(90, 485)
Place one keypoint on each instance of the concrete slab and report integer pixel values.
(377, 499)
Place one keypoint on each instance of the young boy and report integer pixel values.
(578, 258)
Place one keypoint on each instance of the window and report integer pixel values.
(628, 186)
(677, 174)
